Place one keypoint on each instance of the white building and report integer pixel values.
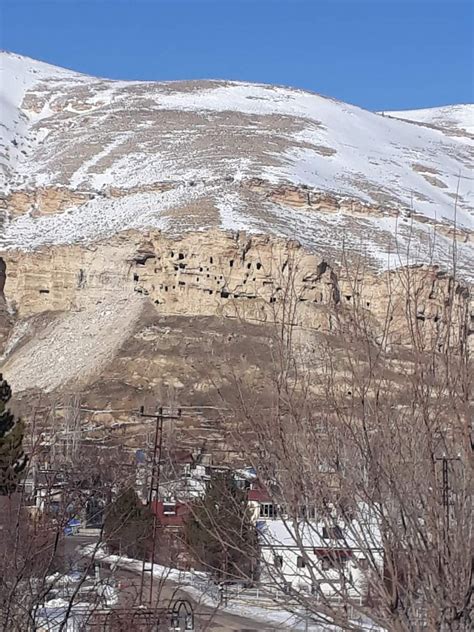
(333, 560)
(192, 480)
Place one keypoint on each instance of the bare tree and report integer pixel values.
(361, 438)
(36, 557)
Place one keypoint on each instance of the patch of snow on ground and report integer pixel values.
(140, 169)
(17, 76)
(230, 208)
(98, 217)
(374, 158)
(81, 174)
(201, 589)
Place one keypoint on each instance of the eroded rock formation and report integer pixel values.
(145, 317)
(219, 274)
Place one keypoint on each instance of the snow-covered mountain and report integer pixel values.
(82, 158)
(452, 119)
(118, 315)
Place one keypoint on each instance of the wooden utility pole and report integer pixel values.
(153, 492)
(446, 490)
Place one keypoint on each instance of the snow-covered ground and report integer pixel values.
(202, 590)
(206, 138)
(458, 118)
(70, 600)
(19, 75)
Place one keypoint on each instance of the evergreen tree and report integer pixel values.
(128, 525)
(220, 533)
(12, 458)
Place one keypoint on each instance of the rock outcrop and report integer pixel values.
(225, 275)
(5, 319)
(145, 317)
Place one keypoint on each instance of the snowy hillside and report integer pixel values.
(456, 119)
(179, 155)
(18, 76)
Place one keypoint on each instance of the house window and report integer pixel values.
(332, 533)
(363, 564)
(278, 561)
(300, 563)
(169, 509)
(333, 558)
(329, 563)
(267, 510)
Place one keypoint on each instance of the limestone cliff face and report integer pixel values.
(233, 275)
(144, 317)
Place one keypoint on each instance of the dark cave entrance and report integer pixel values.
(3, 277)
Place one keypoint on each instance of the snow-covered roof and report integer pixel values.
(285, 533)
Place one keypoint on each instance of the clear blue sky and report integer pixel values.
(380, 54)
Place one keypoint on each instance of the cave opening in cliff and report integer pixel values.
(3, 276)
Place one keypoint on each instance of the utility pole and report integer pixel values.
(159, 417)
(446, 494)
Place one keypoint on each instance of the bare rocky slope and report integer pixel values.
(150, 232)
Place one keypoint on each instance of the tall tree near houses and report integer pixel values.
(12, 457)
(220, 533)
(128, 525)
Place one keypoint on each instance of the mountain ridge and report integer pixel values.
(183, 156)
(153, 233)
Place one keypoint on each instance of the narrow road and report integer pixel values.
(206, 619)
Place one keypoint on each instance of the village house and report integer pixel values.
(44, 490)
(179, 488)
(329, 559)
(261, 505)
(172, 515)
(326, 556)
